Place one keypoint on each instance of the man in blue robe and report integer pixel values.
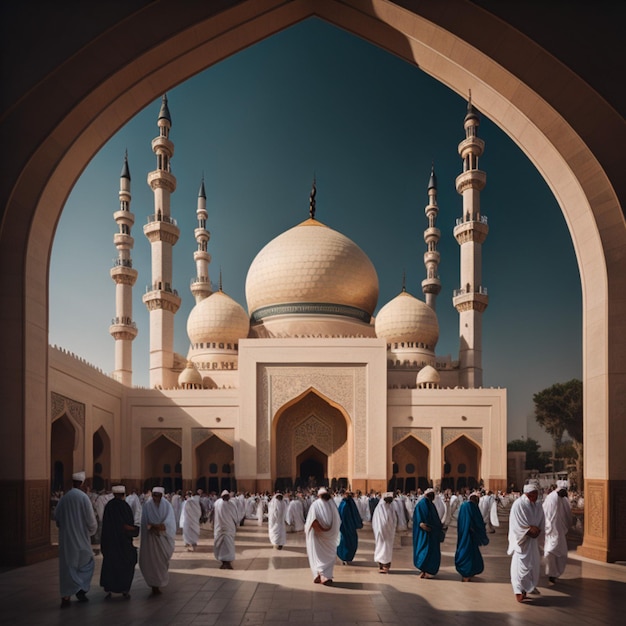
(471, 534)
(350, 522)
(428, 534)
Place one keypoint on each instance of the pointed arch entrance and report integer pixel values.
(461, 466)
(62, 444)
(162, 464)
(410, 468)
(214, 466)
(311, 443)
(101, 460)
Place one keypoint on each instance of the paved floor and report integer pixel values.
(272, 587)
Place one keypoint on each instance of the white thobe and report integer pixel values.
(295, 514)
(225, 522)
(77, 522)
(190, 520)
(321, 546)
(526, 561)
(135, 504)
(558, 515)
(276, 528)
(401, 512)
(363, 504)
(177, 505)
(156, 548)
(384, 524)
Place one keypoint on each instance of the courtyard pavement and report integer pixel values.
(275, 587)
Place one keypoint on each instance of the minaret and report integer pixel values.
(161, 230)
(431, 285)
(122, 328)
(201, 284)
(471, 299)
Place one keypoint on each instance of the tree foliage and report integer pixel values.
(535, 459)
(560, 408)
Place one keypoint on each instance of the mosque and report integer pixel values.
(303, 388)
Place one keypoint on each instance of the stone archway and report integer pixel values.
(214, 468)
(62, 443)
(311, 432)
(461, 465)
(411, 460)
(162, 464)
(101, 476)
(571, 133)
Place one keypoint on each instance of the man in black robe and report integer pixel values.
(118, 552)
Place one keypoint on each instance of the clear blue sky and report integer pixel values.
(316, 100)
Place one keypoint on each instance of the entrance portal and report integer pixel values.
(313, 468)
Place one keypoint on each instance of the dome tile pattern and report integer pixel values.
(217, 318)
(312, 263)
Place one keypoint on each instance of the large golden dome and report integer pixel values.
(405, 319)
(311, 270)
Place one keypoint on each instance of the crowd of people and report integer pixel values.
(329, 521)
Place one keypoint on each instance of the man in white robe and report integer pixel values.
(225, 522)
(276, 528)
(77, 522)
(526, 525)
(489, 510)
(177, 504)
(384, 524)
(134, 503)
(558, 515)
(295, 514)
(158, 532)
(190, 515)
(322, 537)
(399, 504)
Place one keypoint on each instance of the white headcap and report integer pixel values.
(530, 487)
(322, 490)
(388, 494)
(158, 490)
(79, 477)
(429, 490)
(118, 489)
(225, 493)
(561, 484)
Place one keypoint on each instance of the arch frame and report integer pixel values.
(571, 134)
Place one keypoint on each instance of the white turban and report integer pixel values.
(387, 494)
(530, 487)
(225, 493)
(561, 484)
(118, 489)
(158, 490)
(429, 490)
(322, 490)
(79, 477)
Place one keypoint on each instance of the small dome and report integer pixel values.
(190, 377)
(217, 319)
(409, 320)
(311, 269)
(428, 375)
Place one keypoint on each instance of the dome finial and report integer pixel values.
(432, 181)
(312, 200)
(404, 280)
(220, 286)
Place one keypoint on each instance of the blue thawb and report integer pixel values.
(428, 534)
(350, 522)
(471, 534)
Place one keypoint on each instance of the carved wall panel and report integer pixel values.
(450, 434)
(60, 405)
(148, 435)
(422, 434)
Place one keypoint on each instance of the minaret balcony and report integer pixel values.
(432, 234)
(123, 274)
(163, 229)
(202, 255)
(201, 234)
(124, 217)
(123, 328)
(431, 285)
(475, 145)
(432, 256)
(472, 179)
(161, 296)
(163, 145)
(467, 300)
(475, 231)
(122, 240)
(162, 179)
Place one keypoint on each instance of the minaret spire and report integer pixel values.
(161, 298)
(471, 230)
(312, 200)
(122, 328)
(201, 284)
(431, 285)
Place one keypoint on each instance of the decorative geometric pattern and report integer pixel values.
(200, 435)
(594, 509)
(421, 434)
(148, 435)
(450, 434)
(62, 406)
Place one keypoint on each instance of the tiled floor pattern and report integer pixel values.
(275, 587)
